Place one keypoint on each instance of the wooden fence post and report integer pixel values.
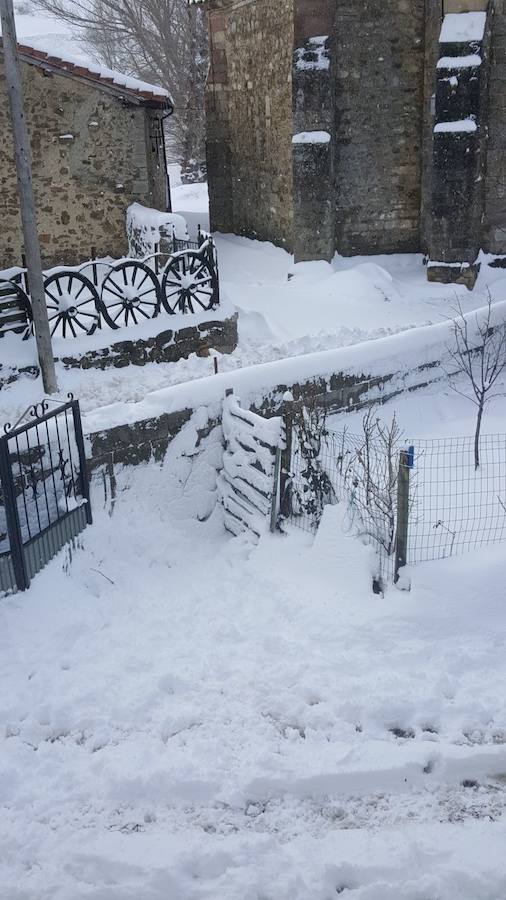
(285, 492)
(401, 537)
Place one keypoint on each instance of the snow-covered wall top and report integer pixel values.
(463, 27)
(399, 354)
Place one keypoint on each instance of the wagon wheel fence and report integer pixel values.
(115, 293)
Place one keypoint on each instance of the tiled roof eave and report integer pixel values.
(59, 66)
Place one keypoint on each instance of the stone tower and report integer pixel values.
(361, 126)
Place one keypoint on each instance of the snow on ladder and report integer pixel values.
(246, 483)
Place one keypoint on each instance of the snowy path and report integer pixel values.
(184, 717)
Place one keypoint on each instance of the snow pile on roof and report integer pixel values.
(463, 27)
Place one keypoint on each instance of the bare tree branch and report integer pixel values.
(162, 41)
(482, 360)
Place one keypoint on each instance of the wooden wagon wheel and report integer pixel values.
(130, 291)
(16, 309)
(72, 304)
(188, 283)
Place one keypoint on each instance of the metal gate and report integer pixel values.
(44, 490)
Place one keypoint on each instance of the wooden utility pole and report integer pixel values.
(26, 198)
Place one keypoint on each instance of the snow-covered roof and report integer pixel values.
(129, 88)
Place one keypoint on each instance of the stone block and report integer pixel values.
(167, 346)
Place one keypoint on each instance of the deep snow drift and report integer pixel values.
(185, 716)
(321, 307)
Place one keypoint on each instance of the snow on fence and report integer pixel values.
(454, 507)
(115, 293)
(250, 464)
(414, 500)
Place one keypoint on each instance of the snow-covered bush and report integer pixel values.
(148, 228)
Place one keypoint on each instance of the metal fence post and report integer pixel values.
(85, 485)
(275, 490)
(12, 517)
(401, 537)
(285, 491)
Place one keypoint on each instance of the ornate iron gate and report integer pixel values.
(44, 490)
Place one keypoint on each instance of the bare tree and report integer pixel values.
(481, 357)
(313, 489)
(162, 41)
(370, 474)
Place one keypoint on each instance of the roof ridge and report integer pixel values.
(96, 73)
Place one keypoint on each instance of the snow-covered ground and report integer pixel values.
(438, 411)
(185, 716)
(321, 307)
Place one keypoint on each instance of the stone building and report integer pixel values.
(97, 145)
(362, 126)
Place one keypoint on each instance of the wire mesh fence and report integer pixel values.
(449, 507)
(456, 508)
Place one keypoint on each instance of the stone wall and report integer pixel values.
(377, 186)
(138, 442)
(167, 346)
(91, 159)
(494, 224)
(248, 109)
(313, 127)
(431, 54)
(459, 159)
(379, 90)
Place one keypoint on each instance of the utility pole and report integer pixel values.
(26, 198)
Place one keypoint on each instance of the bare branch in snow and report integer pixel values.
(481, 358)
(160, 41)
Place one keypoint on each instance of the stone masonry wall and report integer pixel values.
(379, 84)
(166, 346)
(90, 162)
(248, 108)
(459, 158)
(494, 223)
(340, 392)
